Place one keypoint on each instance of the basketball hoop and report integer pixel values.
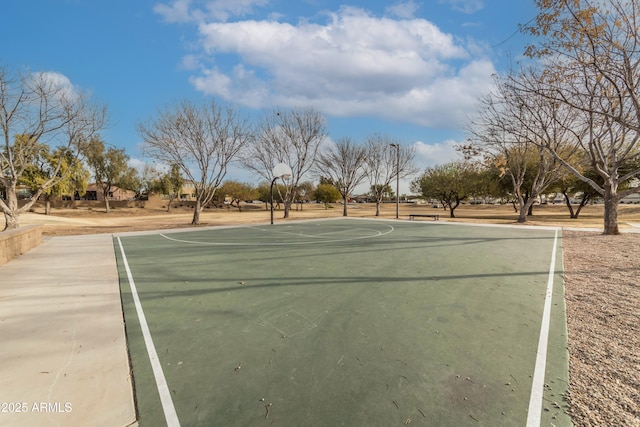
(283, 171)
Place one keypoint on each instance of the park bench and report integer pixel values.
(434, 216)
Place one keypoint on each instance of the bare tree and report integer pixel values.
(343, 164)
(292, 138)
(38, 109)
(513, 129)
(592, 65)
(384, 163)
(201, 139)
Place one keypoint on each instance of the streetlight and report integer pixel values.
(280, 170)
(397, 147)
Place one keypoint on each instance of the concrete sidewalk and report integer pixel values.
(63, 355)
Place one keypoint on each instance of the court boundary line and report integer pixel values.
(444, 223)
(161, 382)
(537, 386)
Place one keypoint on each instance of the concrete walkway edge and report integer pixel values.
(63, 351)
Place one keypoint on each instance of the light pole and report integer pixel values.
(397, 147)
(280, 170)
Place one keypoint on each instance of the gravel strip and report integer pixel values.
(602, 276)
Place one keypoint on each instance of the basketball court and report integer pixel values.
(348, 322)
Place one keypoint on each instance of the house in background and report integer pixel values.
(116, 193)
(188, 191)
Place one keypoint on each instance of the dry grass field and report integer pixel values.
(601, 283)
(92, 218)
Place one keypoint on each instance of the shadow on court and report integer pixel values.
(344, 322)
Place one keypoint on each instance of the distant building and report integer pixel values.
(116, 193)
(188, 191)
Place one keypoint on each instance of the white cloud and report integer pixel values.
(190, 62)
(178, 11)
(403, 9)
(200, 10)
(354, 64)
(241, 86)
(137, 164)
(465, 6)
(57, 82)
(224, 9)
(428, 155)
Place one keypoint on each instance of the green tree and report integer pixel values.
(450, 183)
(110, 169)
(150, 181)
(237, 192)
(327, 193)
(304, 193)
(72, 176)
(569, 185)
(264, 194)
(488, 185)
(168, 184)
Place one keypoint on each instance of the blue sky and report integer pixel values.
(408, 69)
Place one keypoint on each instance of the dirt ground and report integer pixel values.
(601, 283)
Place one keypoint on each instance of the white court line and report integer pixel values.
(537, 387)
(161, 382)
(377, 233)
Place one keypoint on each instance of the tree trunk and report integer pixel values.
(524, 210)
(47, 205)
(567, 201)
(169, 204)
(451, 209)
(610, 212)
(344, 206)
(106, 187)
(377, 208)
(287, 209)
(196, 213)
(522, 203)
(522, 216)
(11, 221)
(10, 206)
(583, 203)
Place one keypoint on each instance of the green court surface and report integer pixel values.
(346, 322)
